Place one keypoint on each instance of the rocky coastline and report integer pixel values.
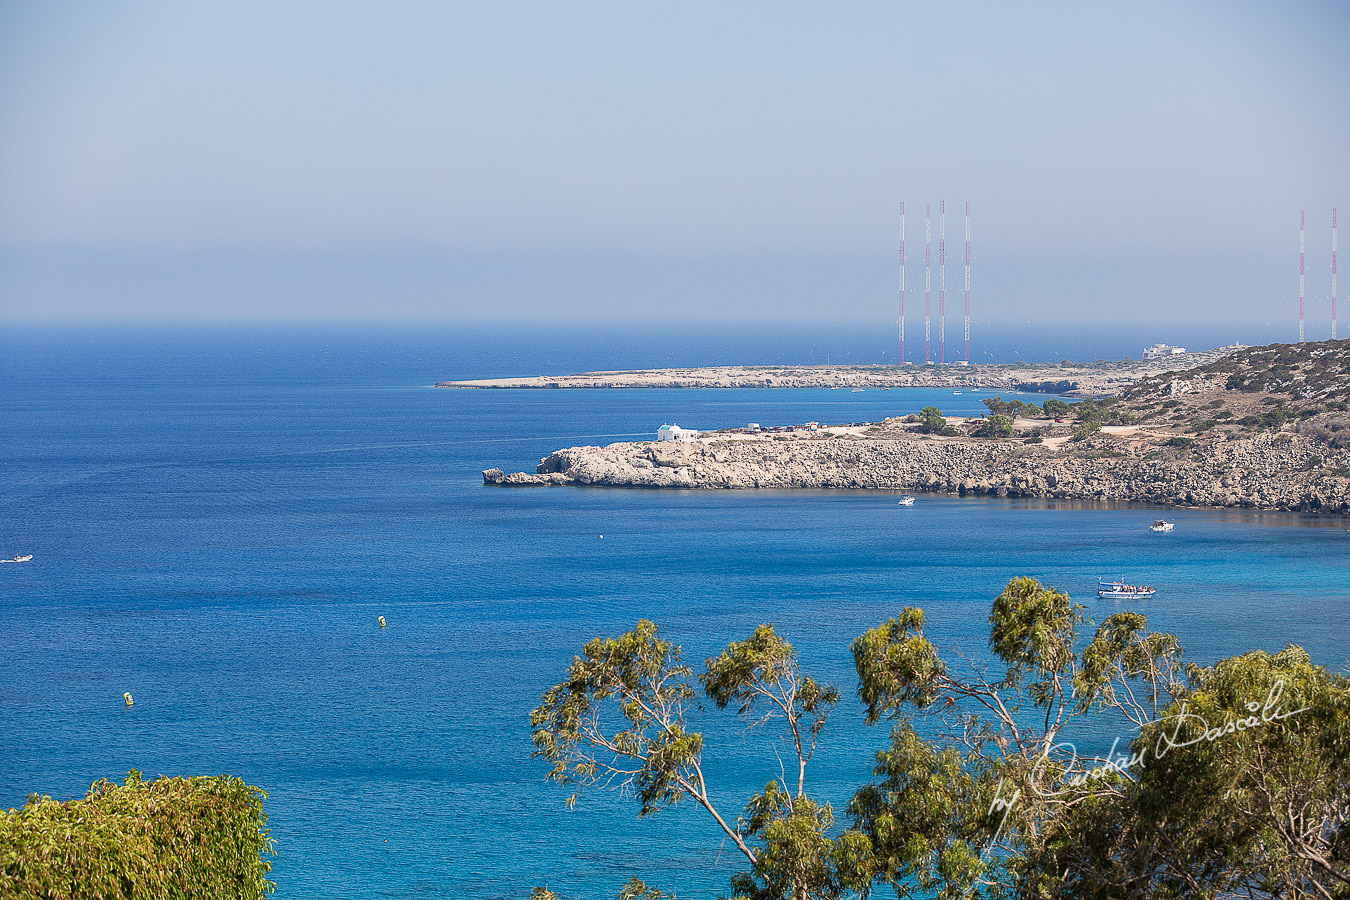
(1279, 471)
(1097, 379)
(1255, 428)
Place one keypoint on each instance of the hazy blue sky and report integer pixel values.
(723, 160)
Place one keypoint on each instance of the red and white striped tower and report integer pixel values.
(1333, 273)
(902, 282)
(1300, 276)
(968, 281)
(927, 279)
(942, 281)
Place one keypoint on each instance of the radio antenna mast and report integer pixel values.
(927, 279)
(902, 282)
(942, 282)
(968, 278)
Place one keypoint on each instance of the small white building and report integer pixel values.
(675, 433)
(1158, 351)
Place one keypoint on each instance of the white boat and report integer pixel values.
(858, 390)
(906, 501)
(1162, 525)
(1119, 590)
(18, 559)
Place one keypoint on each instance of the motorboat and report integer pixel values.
(18, 559)
(1120, 590)
(906, 501)
(1162, 525)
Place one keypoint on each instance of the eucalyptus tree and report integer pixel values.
(622, 719)
(1234, 780)
(1242, 789)
(959, 806)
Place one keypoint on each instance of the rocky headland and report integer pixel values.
(1265, 428)
(1073, 379)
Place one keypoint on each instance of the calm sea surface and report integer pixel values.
(218, 517)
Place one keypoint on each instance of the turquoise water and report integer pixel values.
(217, 520)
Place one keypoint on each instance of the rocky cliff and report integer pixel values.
(1268, 471)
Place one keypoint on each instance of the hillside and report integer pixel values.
(1264, 428)
(1305, 387)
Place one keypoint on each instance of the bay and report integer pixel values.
(218, 516)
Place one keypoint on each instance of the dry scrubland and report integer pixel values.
(1264, 427)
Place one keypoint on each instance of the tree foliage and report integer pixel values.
(931, 420)
(1056, 407)
(140, 840)
(1243, 789)
(1233, 780)
(621, 719)
(997, 426)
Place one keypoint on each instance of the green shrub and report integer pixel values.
(163, 839)
(996, 426)
(931, 420)
(1085, 430)
(1055, 407)
(1180, 442)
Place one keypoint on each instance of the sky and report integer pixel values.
(691, 161)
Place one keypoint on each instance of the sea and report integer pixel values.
(218, 515)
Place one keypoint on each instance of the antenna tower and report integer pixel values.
(942, 282)
(902, 282)
(927, 278)
(1333, 277)
(1300, 276)
(1333, 273)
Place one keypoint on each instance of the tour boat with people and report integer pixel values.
(906, 500)
(1162, 525)
(1119, 590)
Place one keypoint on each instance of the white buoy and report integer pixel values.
(127, 697)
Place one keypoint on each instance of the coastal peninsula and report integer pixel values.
(1070, 378)
(1263, 427)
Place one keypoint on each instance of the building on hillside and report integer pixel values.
(675, 433)
(1158, 351)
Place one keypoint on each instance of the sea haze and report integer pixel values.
(218, 516)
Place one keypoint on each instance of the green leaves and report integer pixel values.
(740, 671)
(620, 719)
(1243, 786)
(141, 840)
(1238, 780)
(931, 420)
(624, 699)
(796, 858)
(1032, 628)
(1121, 651)
(896, 665)
(996, 426)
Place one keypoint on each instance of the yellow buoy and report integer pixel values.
(127, 697)
(381, 621)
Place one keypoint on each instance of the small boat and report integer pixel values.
(1162, 525)
(18, 559)
(1119, 590)
(906, 501)
(857, 390)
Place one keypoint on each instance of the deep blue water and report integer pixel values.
(218, 517)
